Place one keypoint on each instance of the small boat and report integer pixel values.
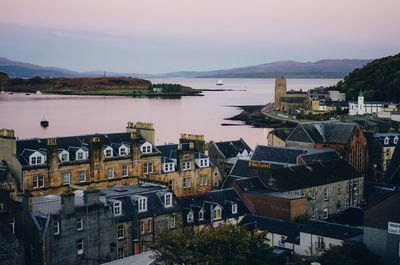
(44, 123)
(220, 83)
(38, 92)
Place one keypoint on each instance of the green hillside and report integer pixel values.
(379, 80)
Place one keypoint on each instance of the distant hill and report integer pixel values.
(379, 80)
(319, 69)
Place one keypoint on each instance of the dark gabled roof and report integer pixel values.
(299, 177)
(289, 229)
(352, 216)
(240, 168)
(256, 186)
(282, 133)
(231, 148)
(392, 175)
(169, 150)
(337, 231)
(290, 99)
(323, 132)
(337, 103)
(155, 206)
(391, 136)
(272, 154)
(207, 201)
(316, 157)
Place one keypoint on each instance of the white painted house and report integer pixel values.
(362, 107)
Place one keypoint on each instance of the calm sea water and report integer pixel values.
(75, 115)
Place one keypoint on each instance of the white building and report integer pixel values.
(366, 107)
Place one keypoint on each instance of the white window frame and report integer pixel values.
(146, 148)
(39, 181)
(187, 183)
(190, 217)
(355, 184)
(386, 141)
(234, 208)
(201, 215)
(36, 159)
(67, 175)
(82, 173)
(125, 171)
(396, 139)
(62, 154)
(79, 153)
(56, 227)
(79, 224)
(79, 246)
(217, 213)
(142, 227)
(168, 200)
(326, 194)
(148, 168)
(142, 204)
(149, 226)
(125, 149)
(108, 151)
(314, 193)
(326, 213)
(110, 172)
(203, 180)
(117, 208)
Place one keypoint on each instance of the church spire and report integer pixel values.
(360, 94)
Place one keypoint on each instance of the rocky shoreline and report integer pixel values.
(252, 116)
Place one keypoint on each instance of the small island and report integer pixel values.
(107, 86)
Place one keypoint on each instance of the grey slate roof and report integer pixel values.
(282, 133)
(300, 177)
(391, 137)
(51, 204)
(322, 132)
(207, 201)
(289, 229)
(374, 191)
(144, 258)
(324, 155)
(240, 168)
(352, 216)
(231, 148)
(341, 232)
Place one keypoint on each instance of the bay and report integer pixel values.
(76, 115)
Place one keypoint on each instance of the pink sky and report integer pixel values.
(236, 32)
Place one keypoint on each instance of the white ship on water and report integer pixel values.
(220, 83)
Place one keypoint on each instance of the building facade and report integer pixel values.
(362, 107)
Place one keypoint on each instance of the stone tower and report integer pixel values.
(280, 91)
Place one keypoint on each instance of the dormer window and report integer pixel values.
(168, 200)
(146, 148)
(64, 156)
(108, 151)
(201, 215)
(80, 154)
(386, 141)
(122, 151)
(234, 208)
(190, 217)
(117, 209)
(36, 159)
(217, 213)
(395, 140)
(186, 166)
(142, 204)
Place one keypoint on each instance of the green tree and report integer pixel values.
(349, 254)
(224, 245)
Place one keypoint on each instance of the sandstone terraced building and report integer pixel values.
(52, 165)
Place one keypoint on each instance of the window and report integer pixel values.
(282, 241)
(201, 162)
(386, 141)
(38, 181)
(338, 206)
(79, 224)
(79, 155)
(124, 171)
(79, 246)
(190, 217)
(217, 213)
(142, 226)
(120, 231)
(122, 151)
(203, 180)
(149, 226)
(234, 208)
(339, 189)
(395, 140)
(148, 149)
(325, 213)
(148, 168)
(171, 184)
(172, 221)
(187, 182)
(387, 153)
(33, 160)
(326, 194)
(117, 208)
(320, 243)
(56, 227)
(168, 200)
(355, 185)
(201, 215)
(142, 204)
(82, 176)
(313, 194)
(121, 253)
(108, 152)
(110, 172)
(64, 157)
(186, 166)
(314, 212)
(67, 178)
(36, 160)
